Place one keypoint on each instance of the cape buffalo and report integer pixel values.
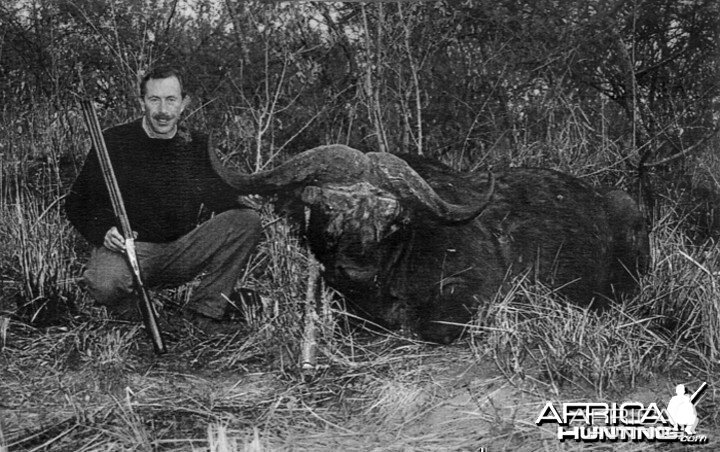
(412, 243)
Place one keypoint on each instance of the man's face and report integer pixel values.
(163, 104)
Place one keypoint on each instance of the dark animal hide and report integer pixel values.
(412, 243)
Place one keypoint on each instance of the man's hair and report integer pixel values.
(161, 72)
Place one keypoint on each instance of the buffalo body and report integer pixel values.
(412, 243)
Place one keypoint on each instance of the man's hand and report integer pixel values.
(114, 241)
(252, 201)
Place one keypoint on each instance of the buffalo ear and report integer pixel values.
(288, 205)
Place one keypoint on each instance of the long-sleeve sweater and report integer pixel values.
(168, 186)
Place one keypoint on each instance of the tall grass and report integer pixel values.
(529, 330)
(248, 391)
(44, 256)
(683, 288)
(39, 258)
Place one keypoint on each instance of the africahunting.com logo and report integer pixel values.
(628, 421)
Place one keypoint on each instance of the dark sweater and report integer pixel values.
(168, 186)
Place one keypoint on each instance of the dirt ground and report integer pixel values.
(61, 392)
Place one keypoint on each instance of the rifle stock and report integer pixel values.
(146, 307)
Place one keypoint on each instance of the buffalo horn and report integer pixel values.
(342, 164)
(399, 178)
(325, 164)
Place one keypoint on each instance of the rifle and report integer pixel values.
(698, 393)
(146, 307)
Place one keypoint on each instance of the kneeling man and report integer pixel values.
(187, 220)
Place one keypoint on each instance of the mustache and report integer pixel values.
(161, 116)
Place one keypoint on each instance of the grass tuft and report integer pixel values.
(531, 331)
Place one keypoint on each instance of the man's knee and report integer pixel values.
(241, 223)
(107, 277)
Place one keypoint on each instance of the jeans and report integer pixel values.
(218, 248)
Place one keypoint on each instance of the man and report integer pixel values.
(682, 410)
(169, 187)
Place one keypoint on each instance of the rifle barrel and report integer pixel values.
(696, 395)
(146, 307)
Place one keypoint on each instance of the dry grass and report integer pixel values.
(95, 384)
(530, 329)
(89, 383)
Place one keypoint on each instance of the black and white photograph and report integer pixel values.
(253, 225)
